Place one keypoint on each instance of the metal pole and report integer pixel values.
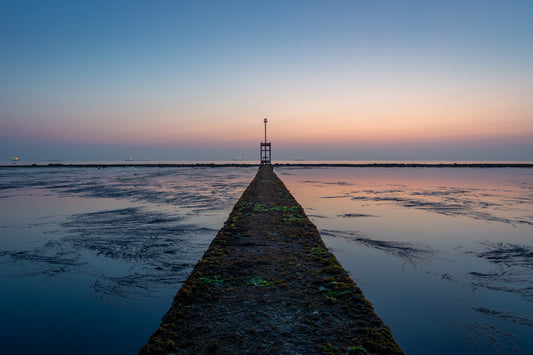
(265, 130)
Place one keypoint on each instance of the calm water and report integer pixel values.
(90, 259)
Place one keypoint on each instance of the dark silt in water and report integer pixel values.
(408, 252)
(92, 258)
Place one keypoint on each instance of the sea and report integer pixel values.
(92, 256)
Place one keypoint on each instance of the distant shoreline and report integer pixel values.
(303, 165)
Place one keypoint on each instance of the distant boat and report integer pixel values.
(129, 159)
(239, 159)
(15, 159)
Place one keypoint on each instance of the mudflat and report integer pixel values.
(268, 284)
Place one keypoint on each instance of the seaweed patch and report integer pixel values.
(452, 201)
(154, 250)
(482, 333)
(410, 253)
(355, 215)
(512, 272)
(511, 317)
(508, 254)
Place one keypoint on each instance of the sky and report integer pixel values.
(337, 80)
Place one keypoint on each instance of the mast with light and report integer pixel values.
(265, 153)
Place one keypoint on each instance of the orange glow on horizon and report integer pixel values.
(280, 131)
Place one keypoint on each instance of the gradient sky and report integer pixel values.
(189, 80)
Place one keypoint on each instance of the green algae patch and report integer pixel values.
(356, 350)
(217, 280)
(268, 284)
(258, 282)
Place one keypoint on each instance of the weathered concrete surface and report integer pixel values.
(267, 284)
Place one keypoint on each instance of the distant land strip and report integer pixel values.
(303, 165)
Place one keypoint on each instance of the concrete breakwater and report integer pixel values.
(267, 284)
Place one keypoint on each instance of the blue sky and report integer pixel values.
(187, 80)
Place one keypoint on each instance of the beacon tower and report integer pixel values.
(265, 148)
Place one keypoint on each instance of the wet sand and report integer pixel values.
(267, 284)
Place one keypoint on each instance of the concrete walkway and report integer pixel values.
(267, 284)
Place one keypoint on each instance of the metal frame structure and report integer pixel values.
(265, 151)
